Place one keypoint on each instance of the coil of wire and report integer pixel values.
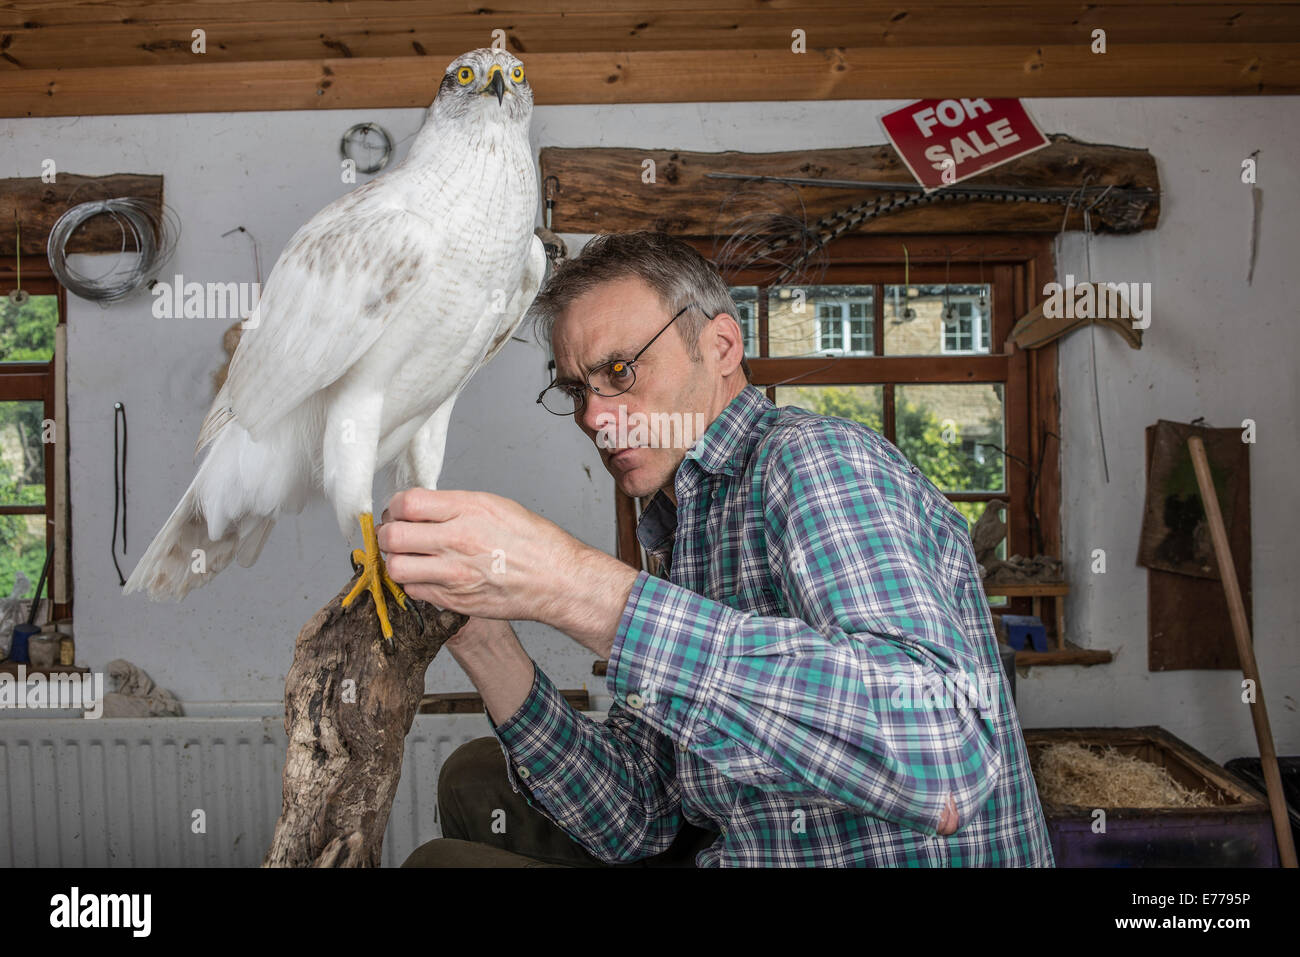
(141, 221)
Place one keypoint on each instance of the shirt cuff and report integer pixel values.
(543, 747)
(666, 654)
(522, 734)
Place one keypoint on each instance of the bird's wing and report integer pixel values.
(534, 272)
(336, 288)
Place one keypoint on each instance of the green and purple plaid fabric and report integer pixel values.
(814, 676)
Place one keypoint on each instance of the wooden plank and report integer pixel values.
(158, 35)
(61, 573)
(38, 205)
(8, 667)
(1022, 19)
(1047, 410)
(601, 190)
(678, 76)
(868, 370)
(469, 702)
(1027, 591)
(1071, 655)
(50, 13)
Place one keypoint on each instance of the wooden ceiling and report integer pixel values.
(81, 57)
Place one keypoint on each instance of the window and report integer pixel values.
(746, 316)
(965, 325)
(27, 414)
(840, 322)
(917, 352)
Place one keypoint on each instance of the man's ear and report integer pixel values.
(728, 341)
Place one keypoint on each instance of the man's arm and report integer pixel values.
(612, 787)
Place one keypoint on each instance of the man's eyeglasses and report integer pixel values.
(611, 378)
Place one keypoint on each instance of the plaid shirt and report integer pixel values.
(813, 679)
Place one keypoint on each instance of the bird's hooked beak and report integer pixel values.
(496, 85)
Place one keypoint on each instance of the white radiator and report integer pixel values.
(122, 792)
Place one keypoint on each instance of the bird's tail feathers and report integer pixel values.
(220, 518)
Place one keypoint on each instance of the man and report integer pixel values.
(814, 682)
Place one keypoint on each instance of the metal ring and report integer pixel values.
(367, 128)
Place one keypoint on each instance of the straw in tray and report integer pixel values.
(1071, 774)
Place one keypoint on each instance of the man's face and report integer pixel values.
(615, 320)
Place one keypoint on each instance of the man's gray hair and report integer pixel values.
(675, 271)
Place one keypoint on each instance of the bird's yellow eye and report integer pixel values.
(517, 73)
(464, 76)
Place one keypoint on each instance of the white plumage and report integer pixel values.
(374, 317)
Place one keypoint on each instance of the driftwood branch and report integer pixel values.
(349, 702)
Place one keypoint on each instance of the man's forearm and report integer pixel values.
(589, 608)
(496, 663)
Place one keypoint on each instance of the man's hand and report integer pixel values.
(487, 556)
(948, 825)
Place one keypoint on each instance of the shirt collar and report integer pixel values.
(724, 447)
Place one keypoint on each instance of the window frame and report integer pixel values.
(35, 381)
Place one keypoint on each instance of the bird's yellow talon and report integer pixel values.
(374, 576)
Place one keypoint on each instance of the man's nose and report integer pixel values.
(599, 411)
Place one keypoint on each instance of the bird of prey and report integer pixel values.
(988, 532)
(374, 317)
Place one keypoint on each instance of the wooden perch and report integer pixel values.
(348, 705)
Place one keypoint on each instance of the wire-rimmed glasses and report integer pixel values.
(608, 379)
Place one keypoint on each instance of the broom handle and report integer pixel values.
(1245, 652)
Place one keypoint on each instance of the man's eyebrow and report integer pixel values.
(607, 357)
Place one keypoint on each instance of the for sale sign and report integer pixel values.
(946, 141)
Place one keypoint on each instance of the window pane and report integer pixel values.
(22, 454)
(860, 337)
(942, 430)
(22, 549)
(27, 331)
(858, 403)
(746, 299)
(806, 320)
(916, 325)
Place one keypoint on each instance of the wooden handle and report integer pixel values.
(1245, 651)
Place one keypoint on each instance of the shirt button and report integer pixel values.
(681, 746)
(523, 771)
(634, 701)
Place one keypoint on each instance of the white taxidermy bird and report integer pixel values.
(374, 317)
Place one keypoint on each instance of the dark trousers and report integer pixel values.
(486, 824)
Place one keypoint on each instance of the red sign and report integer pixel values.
(946, 141)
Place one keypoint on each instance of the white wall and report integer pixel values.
(1216, 348)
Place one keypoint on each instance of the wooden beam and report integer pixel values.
(150, 34)
(38, 205)
(679, 76)
(601, 190)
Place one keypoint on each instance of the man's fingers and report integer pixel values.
(948, 825)
(425, 569)
(424, 505)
